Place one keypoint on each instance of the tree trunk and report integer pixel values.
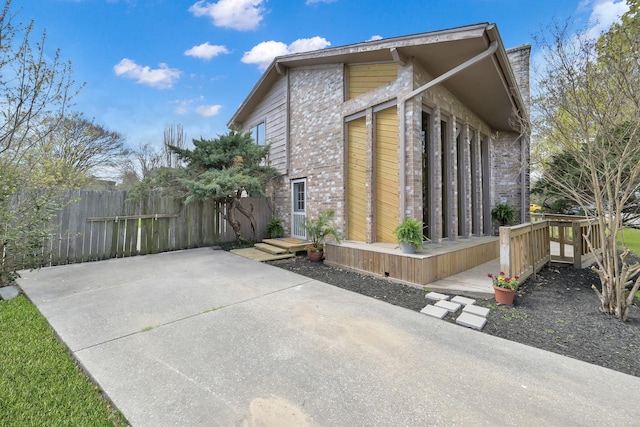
(249, 214)
(232, 220)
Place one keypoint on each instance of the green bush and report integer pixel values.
(275, 228)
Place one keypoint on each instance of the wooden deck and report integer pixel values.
(291, 244)
(434, 263)
(273, 249)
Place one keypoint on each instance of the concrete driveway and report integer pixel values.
(207, 338)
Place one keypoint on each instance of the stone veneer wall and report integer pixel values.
(316, 139)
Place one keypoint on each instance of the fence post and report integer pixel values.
(577, 244)
(505, 251)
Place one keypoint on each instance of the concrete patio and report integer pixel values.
(203, 337)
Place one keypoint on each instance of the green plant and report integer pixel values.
(319, 229)
(275, 228)
(410, 232)
(503, 213)
(502, 281)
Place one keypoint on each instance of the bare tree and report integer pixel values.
(588, 109)
(79, 149)
(141, 163)
(174, 136)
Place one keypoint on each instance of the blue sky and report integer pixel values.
(149, 63)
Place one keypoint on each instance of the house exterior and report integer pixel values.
(428, 126)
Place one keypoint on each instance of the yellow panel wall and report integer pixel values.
(357, 179)
(363, 78)
(386, 174)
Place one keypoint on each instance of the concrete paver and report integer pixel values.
(433, 311)
(471, 320)
(236, 342)
(8, 292)
(477, 310)
(463, 300)
(451, 307)
(436, 296)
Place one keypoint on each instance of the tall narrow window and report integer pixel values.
(258, 134)
(446, 177)
(476, 183)
(486, 184)
(427, 205)
(462, 187)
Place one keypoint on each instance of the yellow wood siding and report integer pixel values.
(363, 78)
(386, 174)
(357, 179)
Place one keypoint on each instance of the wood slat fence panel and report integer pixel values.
(95, 225)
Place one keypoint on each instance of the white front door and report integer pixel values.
(298, 208)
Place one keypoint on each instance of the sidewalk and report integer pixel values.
(203, 337)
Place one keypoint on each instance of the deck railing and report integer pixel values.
(526, 248)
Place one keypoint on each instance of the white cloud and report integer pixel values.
(374, 38)
(182, 106)
(264, 52)
(162, 77)
(240, 15)
(208, 110)
(604, 14)
(206, 51)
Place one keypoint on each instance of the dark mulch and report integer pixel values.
(557, 311)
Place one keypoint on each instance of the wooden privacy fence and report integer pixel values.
(526, 248)
(96, 225)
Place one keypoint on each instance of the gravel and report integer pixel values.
(556, 311)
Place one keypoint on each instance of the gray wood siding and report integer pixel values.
(273, 112)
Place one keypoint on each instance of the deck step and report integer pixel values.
(258, 255)
(265, 247)
(291, 244)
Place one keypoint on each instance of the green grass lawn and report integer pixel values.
(40, 383)
(631, 239)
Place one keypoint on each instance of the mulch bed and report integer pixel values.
(557, 311)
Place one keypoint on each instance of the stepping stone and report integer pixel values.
(463, 300)
(433, 311)
(436, 296)
(476, 309)
(451, 307)
(471, 321)
(8, 292)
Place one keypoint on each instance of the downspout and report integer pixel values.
(402, 102)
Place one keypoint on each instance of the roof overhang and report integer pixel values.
(488, 87)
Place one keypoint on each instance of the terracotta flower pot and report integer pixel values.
(315, 255)
(503, 295)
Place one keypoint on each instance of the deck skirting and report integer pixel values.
(434, 263)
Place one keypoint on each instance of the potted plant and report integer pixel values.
(503, 213)
(274, 228)
(317, 231)
(504, 288)
(409, 235)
